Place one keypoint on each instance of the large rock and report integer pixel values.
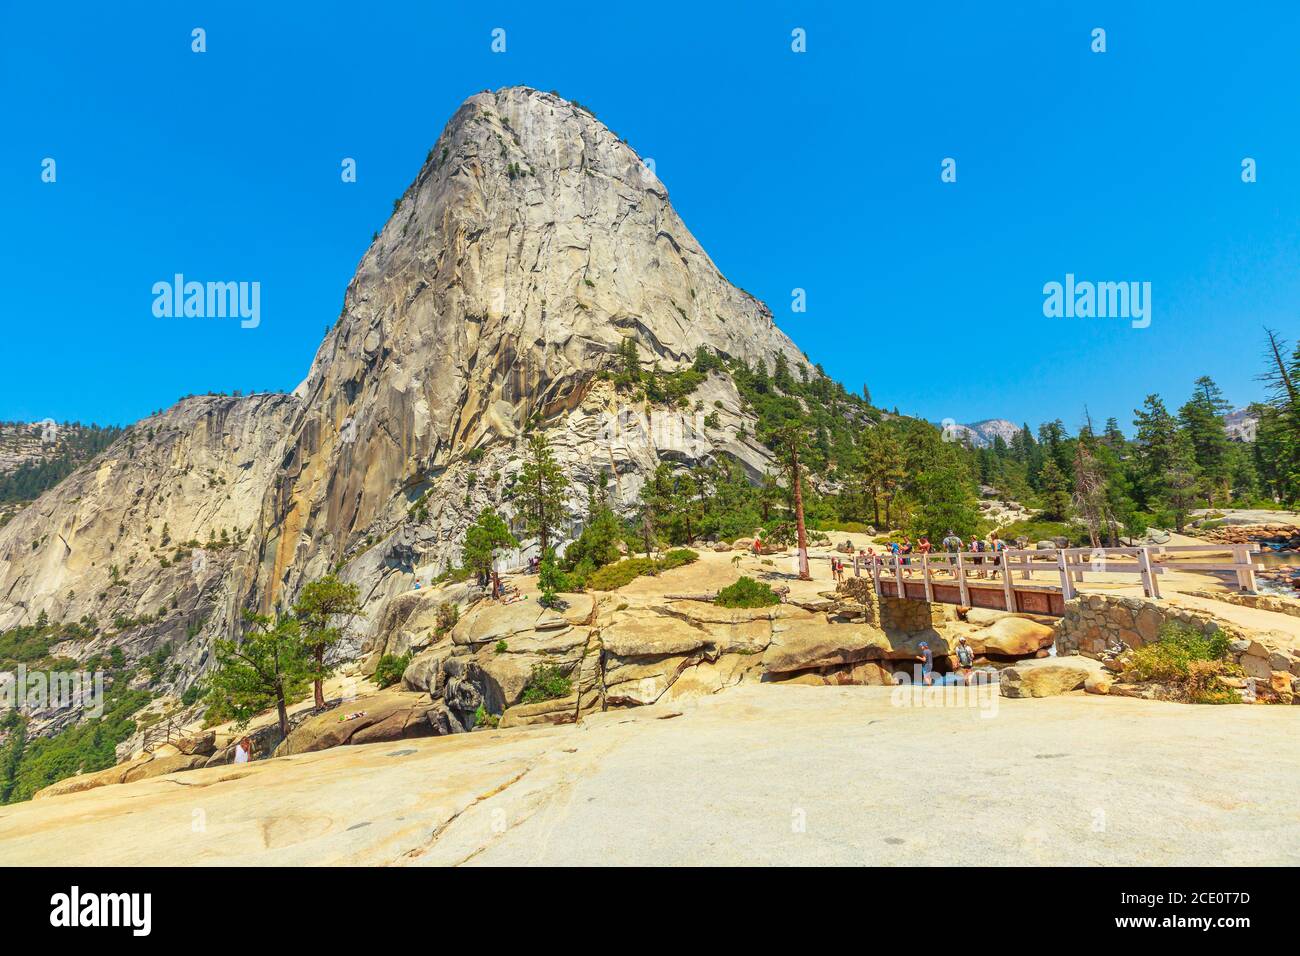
(811, 641)
(1046, 677)
(141, 768)
(643, 632)
(388, 715)
(563, 710)
(1015, 637)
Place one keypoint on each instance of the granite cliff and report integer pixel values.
(531, 244)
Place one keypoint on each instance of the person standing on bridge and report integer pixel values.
(997, 546)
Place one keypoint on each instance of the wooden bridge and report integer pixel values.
(1005, 580)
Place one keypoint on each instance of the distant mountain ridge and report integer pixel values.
(982, 433)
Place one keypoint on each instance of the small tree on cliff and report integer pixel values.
(267, 666)
(321, 604)
(484, 538)
(541, 490)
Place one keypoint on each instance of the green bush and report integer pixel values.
(616, 575)
(546, 682)
(390, 668)
(747, 593)
(1184, 656)
(485, 718)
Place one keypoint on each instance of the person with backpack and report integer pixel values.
(965, 659)
(996, 545)
(906, 553)
(977, 545)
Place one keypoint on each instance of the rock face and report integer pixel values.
(152, 539)
(531, 244)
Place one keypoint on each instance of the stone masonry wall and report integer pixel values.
(1093, 621)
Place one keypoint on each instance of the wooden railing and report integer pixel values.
(167, 731)
(953, 577)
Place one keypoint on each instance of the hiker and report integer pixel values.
(965, 659)
(243, 751)
(906, 552)
(927, 664)
(496, 585)
(997, 547)
(977, 545)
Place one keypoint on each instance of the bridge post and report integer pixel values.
(1067, 586)
(898, 576)
(925, 573)
(1007, 591)
(961, 581)
(1245, 569)
(1149, 584)
(875, 574)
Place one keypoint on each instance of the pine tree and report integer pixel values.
(488, 534)
(1054, 493)
(1155, 444)
(541, 490)
(1202, 420)
(320, 604)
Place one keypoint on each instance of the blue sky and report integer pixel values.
(818, 171)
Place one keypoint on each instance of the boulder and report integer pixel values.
(1098, 684)
(563, 710)
(489, 623)
(1016, 637)
(1047, 677)
(202, 743)
(425, 672)
(801, 644)
(141, 768)
(642, 632)
(387, 715)
(985, 616)
(159, 766)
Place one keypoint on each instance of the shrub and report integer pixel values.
(616, 575)
(390, 668)
(485, 718)
(747, 593)
(546, 682)
(502, 647)
(1192, 661)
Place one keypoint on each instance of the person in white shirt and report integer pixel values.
(243, 751)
